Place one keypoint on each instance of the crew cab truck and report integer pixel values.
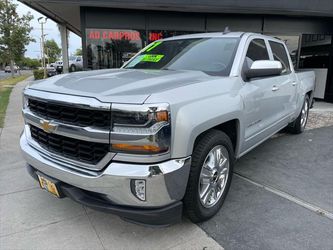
(163, 132)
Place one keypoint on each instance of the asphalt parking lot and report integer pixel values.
(4, 75)
(281, 198)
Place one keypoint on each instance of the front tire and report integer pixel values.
(210, 176)
(298, 126)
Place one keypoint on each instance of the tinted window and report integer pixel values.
(257, 51)
(211, 55)
(279, 54)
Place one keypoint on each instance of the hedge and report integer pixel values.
(39, 74)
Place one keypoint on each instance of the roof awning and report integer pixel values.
(60, 12)
(68, 11)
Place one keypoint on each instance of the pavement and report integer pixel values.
(281, 197)
(321, 115)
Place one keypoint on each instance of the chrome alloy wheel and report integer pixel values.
(214, 175)
(304, 114)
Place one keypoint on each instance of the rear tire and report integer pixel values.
(298, 126)
(210, 176)
(72, 68)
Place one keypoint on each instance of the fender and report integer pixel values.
(192, 120)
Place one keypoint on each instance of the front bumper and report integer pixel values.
(165, 182)
(166, 215)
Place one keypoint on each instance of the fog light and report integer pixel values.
(138, 188)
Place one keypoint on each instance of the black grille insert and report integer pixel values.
(83, 151)
(70, 115)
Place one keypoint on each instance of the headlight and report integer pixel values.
(25, 101)
(140, 129)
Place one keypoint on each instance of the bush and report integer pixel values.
(39, 74)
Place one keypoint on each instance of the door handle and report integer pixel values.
(275, 88)
(294, 83)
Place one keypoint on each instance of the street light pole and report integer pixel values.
(42, 21)
(41, 50)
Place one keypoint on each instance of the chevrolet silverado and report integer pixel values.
(161, 134)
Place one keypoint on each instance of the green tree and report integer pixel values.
(78, 52)
(31, 63)
(52, 50)
(14, 33)
(2, 60)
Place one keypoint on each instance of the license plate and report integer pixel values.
(48, 185)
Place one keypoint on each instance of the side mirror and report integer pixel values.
(262, 68)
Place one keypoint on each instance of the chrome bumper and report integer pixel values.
(165, 182)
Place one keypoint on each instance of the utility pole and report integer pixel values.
(42, 21)
(41, 50)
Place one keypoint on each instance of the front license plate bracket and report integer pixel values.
(49, 184)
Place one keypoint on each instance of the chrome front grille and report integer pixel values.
(72, 129)
(70, 114)
(78, 150)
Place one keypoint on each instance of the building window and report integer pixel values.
(110, 48)
(154, 35)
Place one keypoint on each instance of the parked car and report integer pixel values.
(75, 63)
(8, 69)
(51, 70)
(58, 66)
(163, 132)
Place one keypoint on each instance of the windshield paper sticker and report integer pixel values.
(151, 58)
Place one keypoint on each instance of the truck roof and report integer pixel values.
(219, 34)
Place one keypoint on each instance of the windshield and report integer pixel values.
(213, 56)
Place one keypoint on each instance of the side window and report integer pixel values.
(257, 50)
(280, 54)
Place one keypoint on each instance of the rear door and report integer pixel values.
(285, 84)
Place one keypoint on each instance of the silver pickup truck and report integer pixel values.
(163, 132)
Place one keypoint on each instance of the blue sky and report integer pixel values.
(51, 29)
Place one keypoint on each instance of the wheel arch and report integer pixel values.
(311, 96)
(231, 128)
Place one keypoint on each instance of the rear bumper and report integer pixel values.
(165, 215)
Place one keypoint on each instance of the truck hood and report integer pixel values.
(119, 85)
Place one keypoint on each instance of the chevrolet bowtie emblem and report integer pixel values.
(47, 126)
